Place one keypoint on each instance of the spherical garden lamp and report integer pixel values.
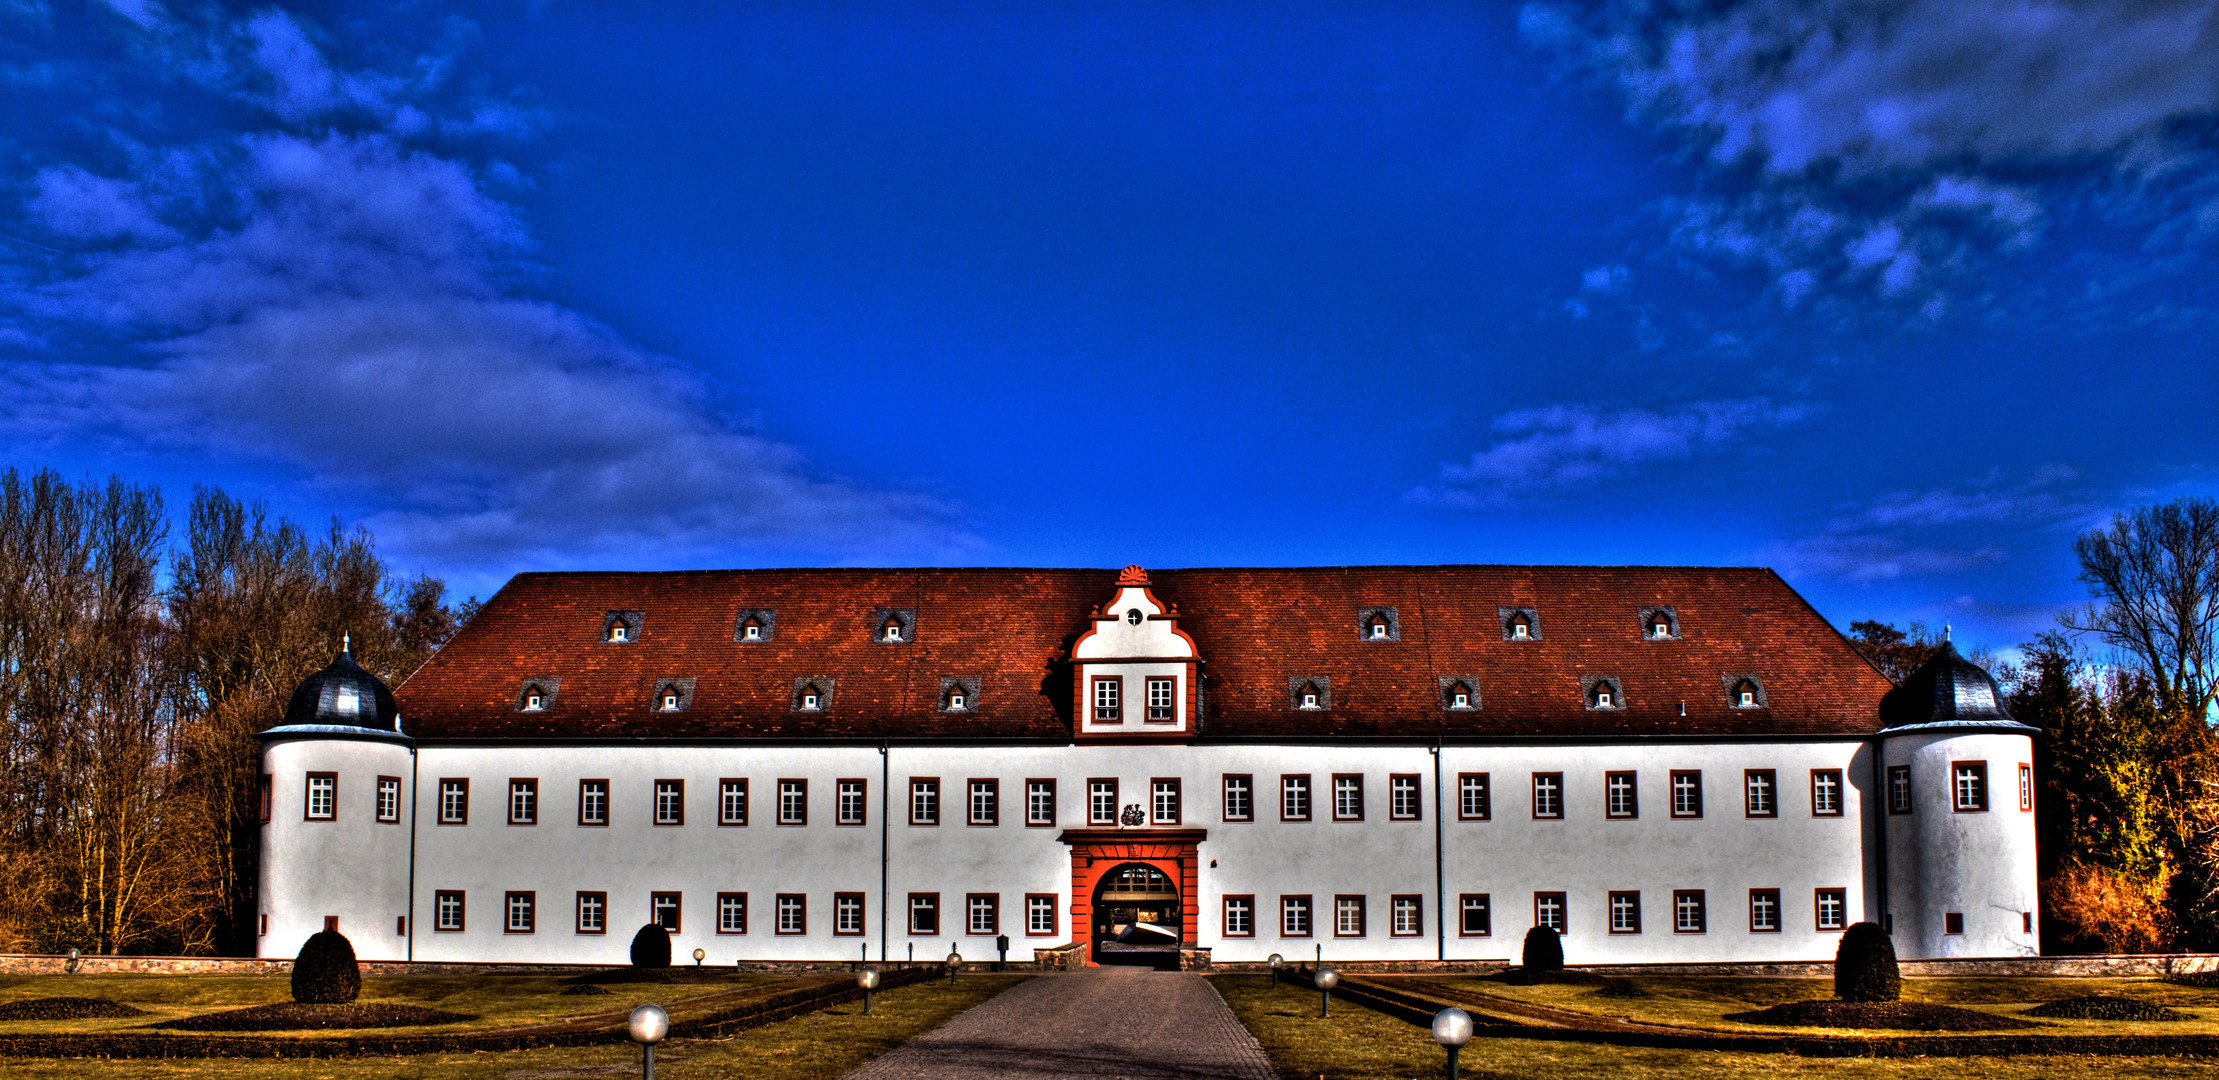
(1326, 979)
(1275, 960)
(649, 1026)
(955, 960)
(74, 957)
(699, 955)
(868, 980)
(1452, 1028)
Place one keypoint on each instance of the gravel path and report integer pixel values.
(1117, 1022)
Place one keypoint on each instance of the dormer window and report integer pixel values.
(620, 632)
(1519, 623)
(1603, 692)
(959, 695)
(534, 702)
(1457, 693)
(1661, 628)
(670, 700)
(809, 700)
(672, 695)
(620, 627)
(1310, 698)
(892, 630)
(956, 702)
(812, 694)
(751, 631)
(1748, 698)
(1521, 629)
(1744, 691)
(538, 695)
(890, 626)
(1312, 694)
(1660, 624)
(1378, 628)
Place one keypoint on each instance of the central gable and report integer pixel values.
(1134, 669)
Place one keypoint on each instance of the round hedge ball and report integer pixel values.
(651, 947)
(1544, 950)
(1864, 967)
(326, 973)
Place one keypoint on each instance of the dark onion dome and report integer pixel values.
(344, 695)
(1947, 689)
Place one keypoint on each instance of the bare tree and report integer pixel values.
(2154, 579)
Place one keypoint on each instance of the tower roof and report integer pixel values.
(1947, 689)
(344, 695)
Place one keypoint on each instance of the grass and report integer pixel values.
(816, 1046)
(496, 1000)
(1696, 1001)
(1358, 1043)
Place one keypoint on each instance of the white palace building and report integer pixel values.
(1667, 765)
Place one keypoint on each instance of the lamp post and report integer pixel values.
(1326, 980)
(649, 1025)
(1275, 960)
(1452, 1028)
(74, 956)
(868, 980)
(955, 960)
(699, 955)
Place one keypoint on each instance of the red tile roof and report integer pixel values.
(1012, 628)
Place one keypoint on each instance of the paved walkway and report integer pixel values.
(1120, 1022)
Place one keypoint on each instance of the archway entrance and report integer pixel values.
(1138, 918)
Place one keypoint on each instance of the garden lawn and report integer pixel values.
(496, 1000)
(1358, 1043)
(1703, 1001)
(816, 1046)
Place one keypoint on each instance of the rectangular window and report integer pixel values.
(1101, 802)
(1825, 792)
(984, 913)
(1294, 916)
(731, 913)
(1040, 803)
(1040, 914)
(1106, 691)
(1348, 797)
(1759, 789)
(323, 796)
(389, 798)
(793, 913)
(593, 802)
(663, 908)
(1625, 913)
(1899, 789)
(847, 914)
(1473, 916)
(593, 913)
(670, 802)
(1619, 800)
(454, 801)
(1969, 782)
(852, 802)
(523, 802)
(1240, 797)
(1548, 795)
(986, 798)
(447, 910)
(1159, 700)
(1832, 906)
(1953, 922)
(519, 906)
(924, 913)
(1166, 800)
(793, 802)
(1687, 911)
(1548, 910)
(732, 801)
(924, 800)
(1687, 793)
(2026, 789)
(1348, 916)
(1471, 797)
(1294, 798)
(1240, 916)
(1404, 803)
(1406, 916)
(1764, 911)
(268, 786)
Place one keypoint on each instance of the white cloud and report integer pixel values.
(1567, 446)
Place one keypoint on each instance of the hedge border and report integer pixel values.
(1418, 1009)
(771, 1009)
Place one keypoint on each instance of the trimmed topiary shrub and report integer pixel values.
(651, 947)
(1864, 966)
(1544, 951)
(325, 972)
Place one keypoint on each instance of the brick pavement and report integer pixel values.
(1116, 1022)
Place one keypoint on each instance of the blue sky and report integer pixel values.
(1894, 297)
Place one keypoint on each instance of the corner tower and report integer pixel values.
(1957, 800)
(337, 788)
